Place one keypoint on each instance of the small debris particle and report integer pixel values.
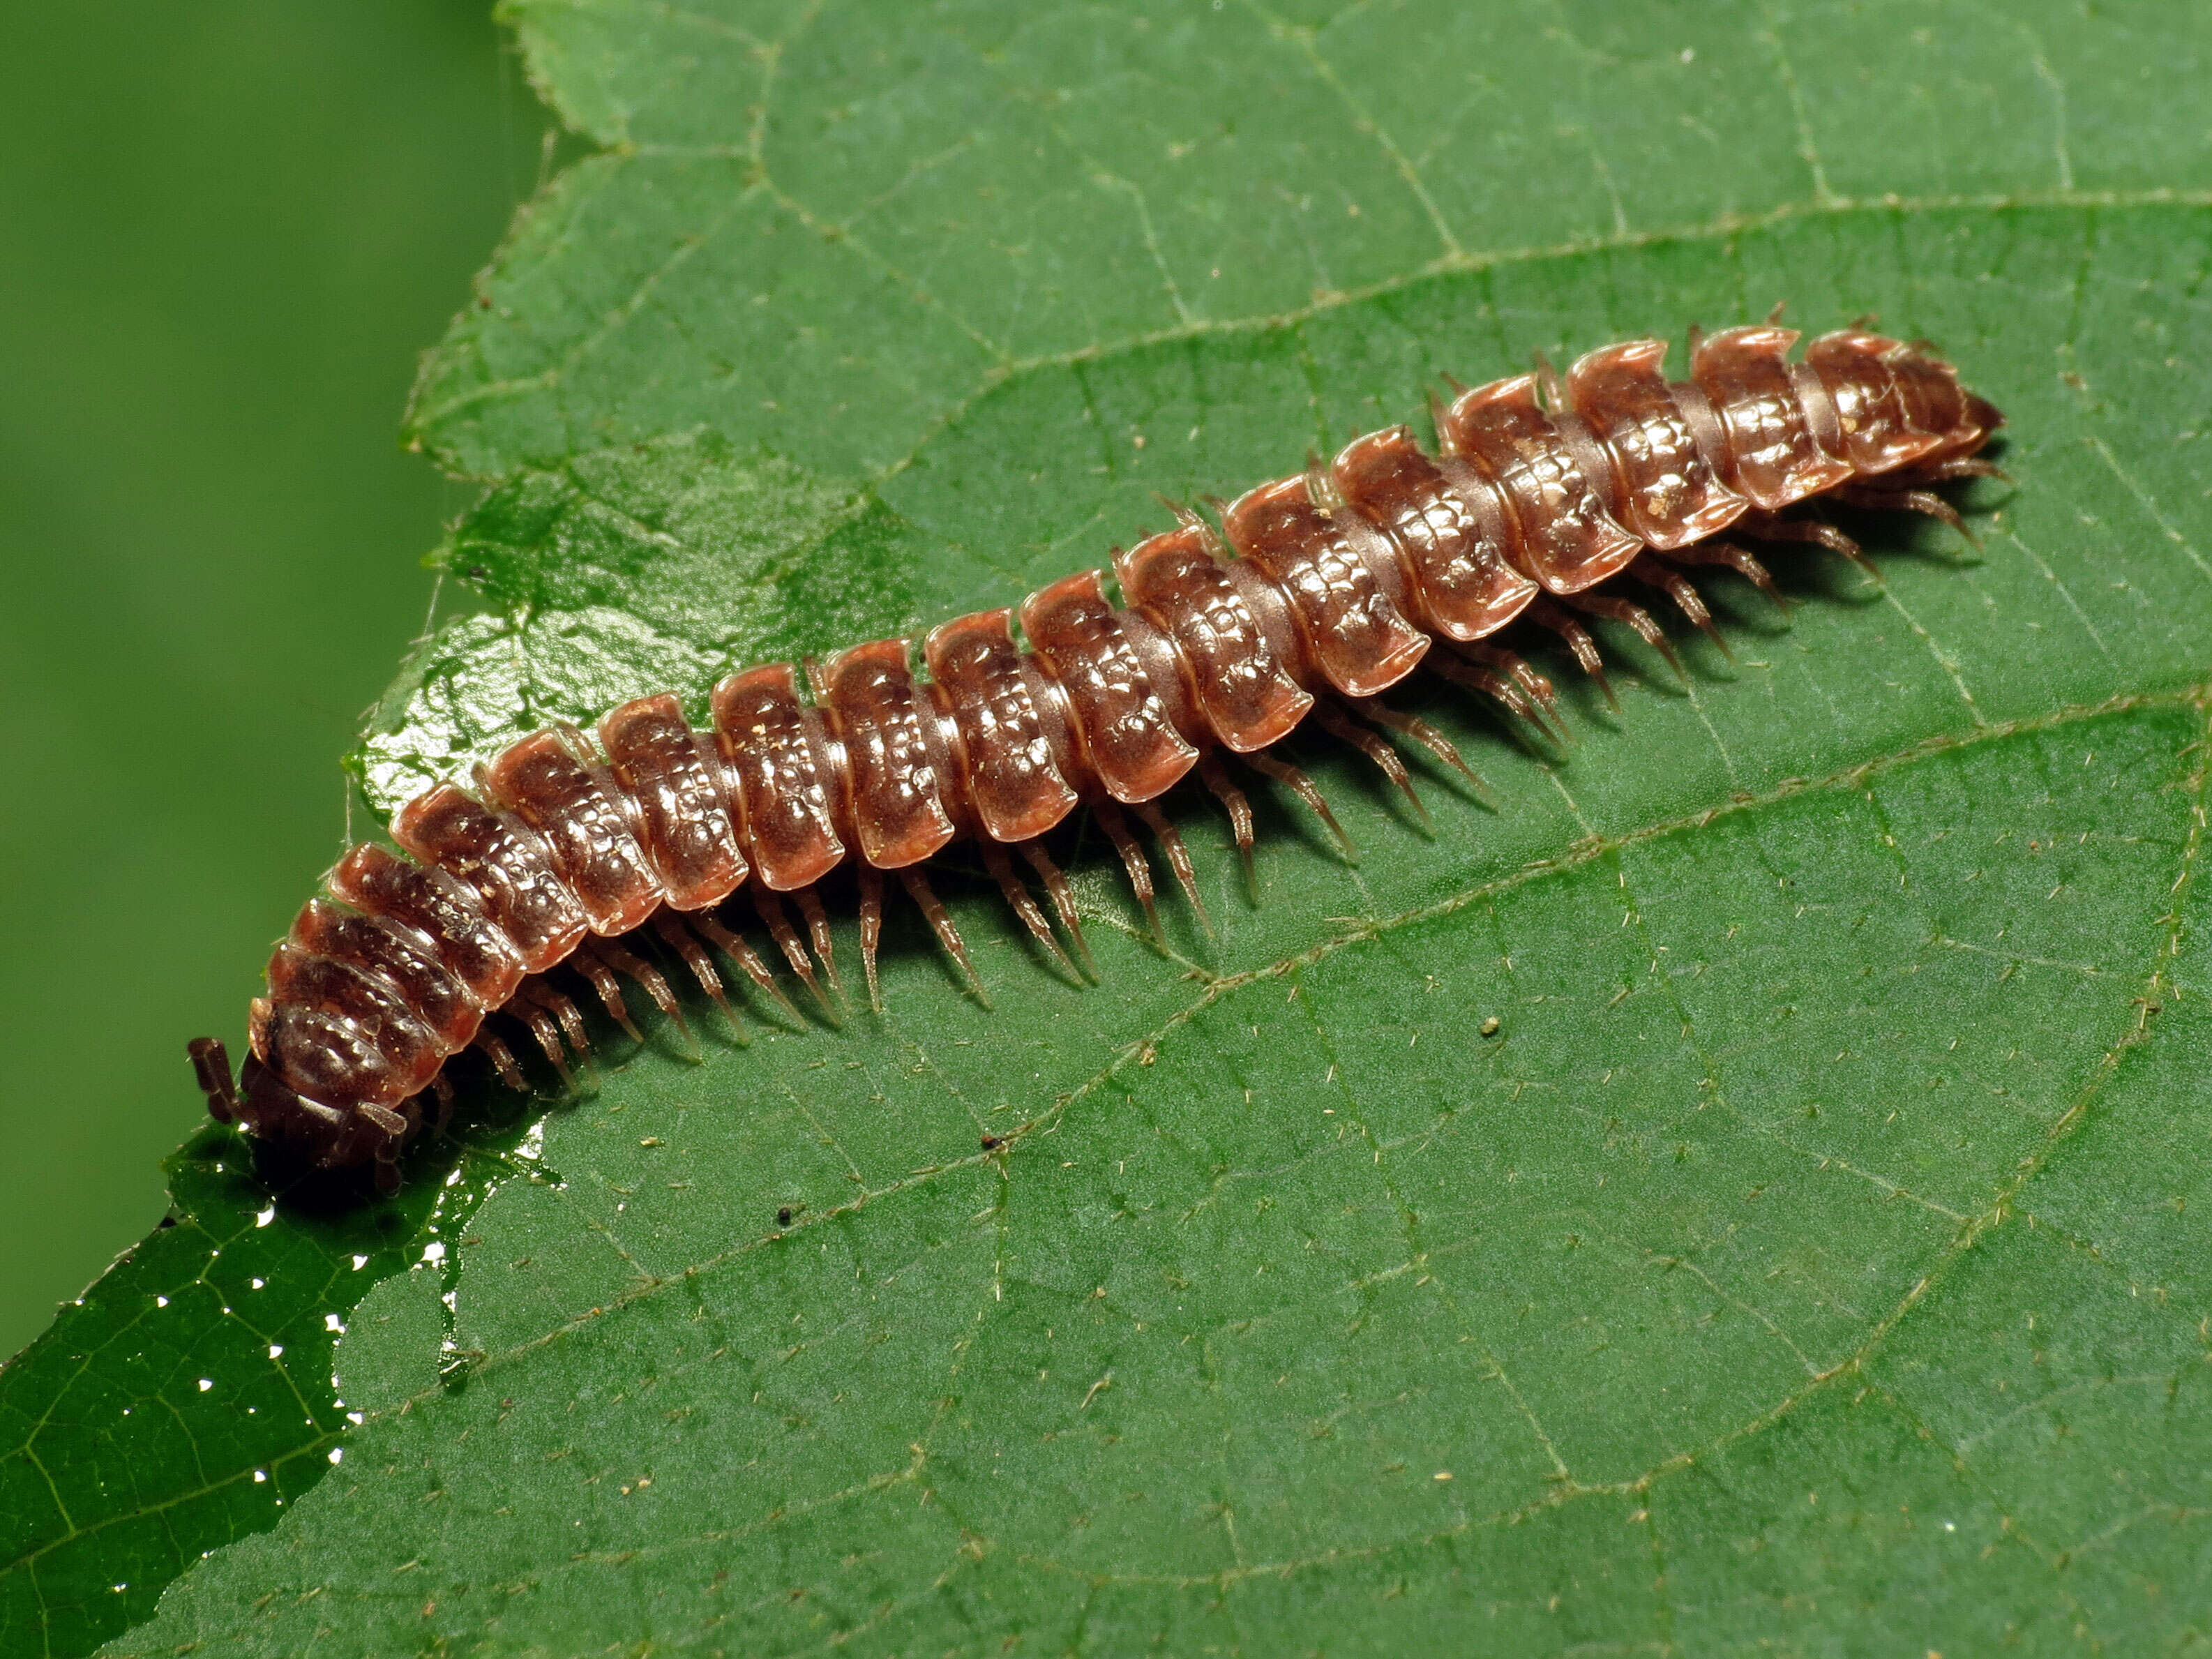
(1490, 1027)
(1441, 1474)
(650, 1140)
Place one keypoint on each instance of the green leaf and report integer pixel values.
(1809, 1260)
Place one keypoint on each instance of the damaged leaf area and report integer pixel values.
(1745, 1192)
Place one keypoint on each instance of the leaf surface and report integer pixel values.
(1810, 1259)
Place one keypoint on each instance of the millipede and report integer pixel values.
(1302, 600)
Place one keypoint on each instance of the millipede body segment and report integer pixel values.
(1315, 593)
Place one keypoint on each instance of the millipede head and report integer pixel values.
(271, 1110)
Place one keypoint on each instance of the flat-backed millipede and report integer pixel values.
(1332, 587)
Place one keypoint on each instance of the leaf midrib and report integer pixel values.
(1583, 853)
(1566, 1489)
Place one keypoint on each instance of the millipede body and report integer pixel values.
(1314, 594)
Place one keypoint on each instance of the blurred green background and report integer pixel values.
(227, 229)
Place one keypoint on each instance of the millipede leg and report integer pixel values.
(1687, 599)
(1555, 389)
(941, 923)
(1428, 737)
(1384, 757)
(1438, 411)
(1232, 801)
(871, 929)
(1544, 613)
(502, 1060)
(1925, 501)
(572, 1023)
(443, 1091)
(1728, 556)
(1636, 619)
(1524, 675)
(603, 981)
(1965, 466)
(748, 960)
(779, 929)
(1303, 787)
(1321, 487)
(817, 929)
(1018, 896)
(1178, 860)
(541, 1027)
(1133, 860)
(682, 940)
(656, 987)
(1063, 901)
(1767, 527)
(1494, 686)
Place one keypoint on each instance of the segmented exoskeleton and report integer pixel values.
(1317, 593)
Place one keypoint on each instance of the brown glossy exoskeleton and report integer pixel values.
(1314, 594)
